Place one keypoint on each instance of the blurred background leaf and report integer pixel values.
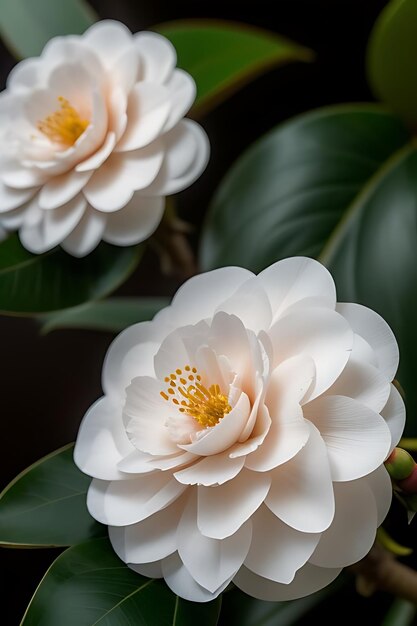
(26, 25)
(88, 585)
(46, 505)
(223, 56)
(392, 55)
(31, 284)
(401, 613)
(113, 314)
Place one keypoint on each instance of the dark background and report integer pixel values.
(47, 383)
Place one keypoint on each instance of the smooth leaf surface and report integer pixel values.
(88, 585)
(46, 505)
(112, 315)
(32, 283)
(401, 613)
(26, 25)
(337, 184)
(223, 56)
(392, 53)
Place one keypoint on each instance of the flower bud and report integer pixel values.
(400, 464)
(409, 484)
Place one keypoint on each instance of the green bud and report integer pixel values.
(400, 464)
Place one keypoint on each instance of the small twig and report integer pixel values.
(171, 242)
(380, 571)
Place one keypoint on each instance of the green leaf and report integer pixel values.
(223, 56)
(338, 184)
(32, 283)
(45, 506)
(392, 53)
(26, 25)
(401, 613)
(113, 314)
(88, 585)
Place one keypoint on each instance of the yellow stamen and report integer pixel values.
(206, 405)
(64, 126)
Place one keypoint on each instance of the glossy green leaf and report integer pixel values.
(46, 505)
(112, 315)
(88, 585)
(26, 25)
(32, 283)
(401, 613)
(223, 56)
(392, 57)
(338, 184)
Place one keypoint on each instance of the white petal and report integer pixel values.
(135, 222)
(13, 198)
(307, 580)
(212, 470)
(187, 152)
(320, 333)
(292, 280)
(61, 189)
(112, 186)
(147, 111)
(24, 76)
(151, 570)
(222, 510)
(59, 50)
(138, 462)
(125, 502)
(277, 551)
(102, 441)
(357, 438)
(182, 91)
(108, 39)
(150, 540)
(158, 56)
(353, 530)
(211, 562)
(199, 297)
(180, 581)
(131, 354)
(380, 484)
(241, 304)
(97, 159)
(87, 235)
(394, 415)
(224, 434)
(19, 177)
(145, 414)
(301, 493)
(376, 332)
(364, 383)
(124, 71)
(289, 431)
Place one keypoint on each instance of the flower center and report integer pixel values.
(65, 125)
(189, 395)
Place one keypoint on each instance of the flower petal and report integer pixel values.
(147, 111)
(307, 580)
(212, 470)
(376, 332)
(108, 38)
(353, 530)
(182, 90)
(320, 333)
(211, 562)
(102, 441)
(241, 302)
(86, 235)
(380, 484)
(180, 581)
(301, 493)
(125, 502)
(97, 159)
(158, 56)
(394, 415)
(357, 438)
(277, 551)
(61, 189)
(136, 221)
(13, 198)
(150, 540)
(150, 570)
(222, 510)
(290, 281)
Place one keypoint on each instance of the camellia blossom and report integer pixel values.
(243, 432)
(93, 139)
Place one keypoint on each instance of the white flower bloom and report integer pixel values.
(243, 432)
(93, 138)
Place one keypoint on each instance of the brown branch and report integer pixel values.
(380, 571)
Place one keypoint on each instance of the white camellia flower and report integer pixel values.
(243, 432)
(93, 139)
